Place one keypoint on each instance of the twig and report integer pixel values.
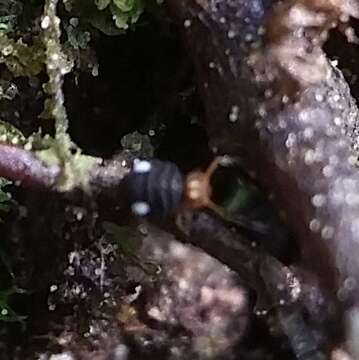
(57, 66)
(24, 168)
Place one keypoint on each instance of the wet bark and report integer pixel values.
(274, 98)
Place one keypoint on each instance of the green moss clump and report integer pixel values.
(112, 17)
(75, 166)
(125, 12)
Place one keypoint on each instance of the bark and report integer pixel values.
(273, 97)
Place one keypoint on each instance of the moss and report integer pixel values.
(75, 166)
(138, 145)
(11, 134)
(10, 11)
(29, 52)
(112, 17)
(22, 59)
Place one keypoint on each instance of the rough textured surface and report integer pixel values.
(274, 100)
(300, 147)
(196, 307)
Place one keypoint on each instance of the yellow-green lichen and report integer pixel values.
(75, 167)
(57, 65)
(22, 59)
(10, 134)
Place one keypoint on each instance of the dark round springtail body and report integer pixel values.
(154, 188)
(157, 189)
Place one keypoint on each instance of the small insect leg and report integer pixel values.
(213, 166)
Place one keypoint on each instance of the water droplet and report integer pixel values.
(308, 133)
(141, 166)
(140, 208)
(187, 23)
(327, 232)
(291, 140)
(327, 171)
(233, 115)
(45, 22)
(337, 121)
(309, 157)
(319, 97)
(352, 199)
(350, 283)
(231, 34)
(318, 200)
(314, 225)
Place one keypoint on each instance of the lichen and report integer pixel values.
(57, 66)
(22, 59)
(75, 166)
(10, 134)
